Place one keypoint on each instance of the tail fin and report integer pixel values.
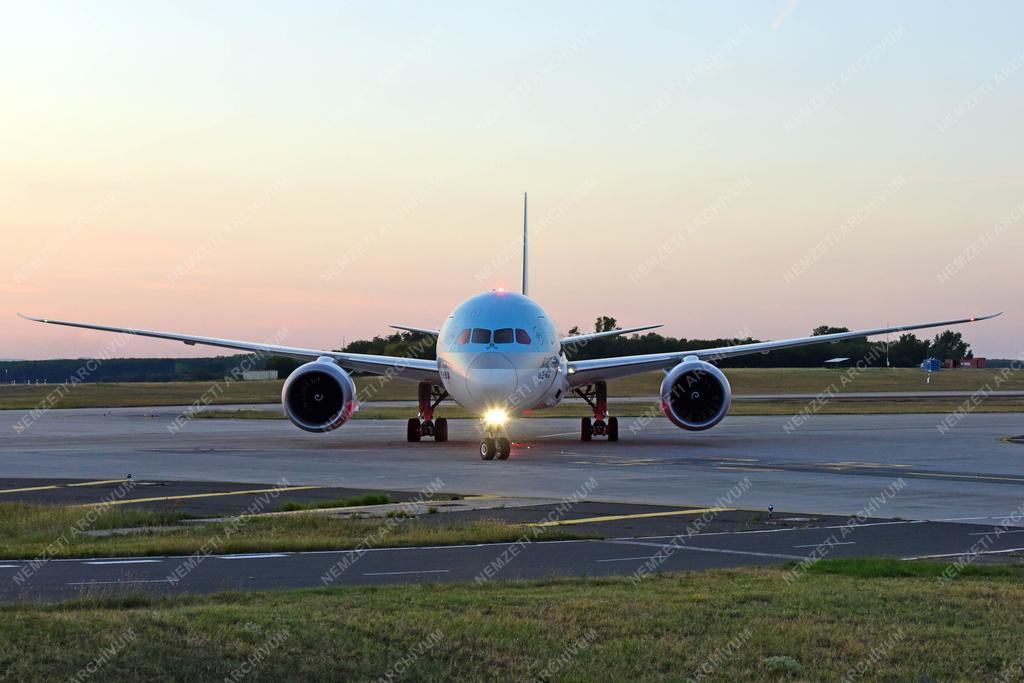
(526, 252)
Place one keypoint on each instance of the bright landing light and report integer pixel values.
(496, 416)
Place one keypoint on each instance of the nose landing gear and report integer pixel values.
(495, 447)
(596, 396)
(430, 396)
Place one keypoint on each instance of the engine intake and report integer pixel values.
(319, 396)
(695, 395)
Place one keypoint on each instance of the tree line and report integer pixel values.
(906, 351)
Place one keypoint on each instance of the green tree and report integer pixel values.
(949, 344)
(284, 366)
(605, 324)
(909, 351)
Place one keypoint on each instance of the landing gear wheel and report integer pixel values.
(504, 448)
(412, 432)
(488, 449)
(586, 431)
(613, 429)
(441, 429)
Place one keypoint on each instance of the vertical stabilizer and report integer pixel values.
(526, 252)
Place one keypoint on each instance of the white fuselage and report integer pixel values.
(500, 350)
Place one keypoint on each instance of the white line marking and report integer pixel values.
(424, 571)
(815, 545)
(960, 519)
(125, 562)
(254, 556)
(105, 583)
(995, 532)
(751, 553)
(625, 559)
(966, 552)
(10, 566)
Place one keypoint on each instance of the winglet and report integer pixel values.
(421, 330)
(28, 317)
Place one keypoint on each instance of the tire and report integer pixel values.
(613, 429)
(441, 429)
(488, 449)
(504, 448)
(586, 431)
(412, 431)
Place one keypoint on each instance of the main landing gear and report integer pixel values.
(596, 396)
(430, 396)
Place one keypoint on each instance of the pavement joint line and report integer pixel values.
(996, 531)
(965, 553)
(815, 545)
(342, 551)
(124, 581)
(131, 501)
(724, 551)
(422, 571)
(641, 515)
(625, 559)
(975, 477)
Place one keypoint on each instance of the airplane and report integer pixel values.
(499, 355)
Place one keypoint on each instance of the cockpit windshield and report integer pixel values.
(504, 335)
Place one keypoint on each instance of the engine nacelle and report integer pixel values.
(319, 396)
(695, 394)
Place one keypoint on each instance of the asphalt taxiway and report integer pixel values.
(56, 579)
(829, 464)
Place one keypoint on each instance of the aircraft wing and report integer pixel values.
(415, 369)
(578, 339)
(586, 371)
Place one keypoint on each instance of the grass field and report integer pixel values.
(855, 619)
(744, 381)
(30, 531)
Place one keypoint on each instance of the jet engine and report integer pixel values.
(319, 396)
(695, 394)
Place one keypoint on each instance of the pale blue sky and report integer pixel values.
(136, 136)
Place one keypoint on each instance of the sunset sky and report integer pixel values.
(239, 169)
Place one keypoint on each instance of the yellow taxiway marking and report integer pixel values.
(644, 515)
(711, 457)
(747, 468)
(197, 495)
(99, 483)
(50, 487)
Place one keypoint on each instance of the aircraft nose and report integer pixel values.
(492, 378)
